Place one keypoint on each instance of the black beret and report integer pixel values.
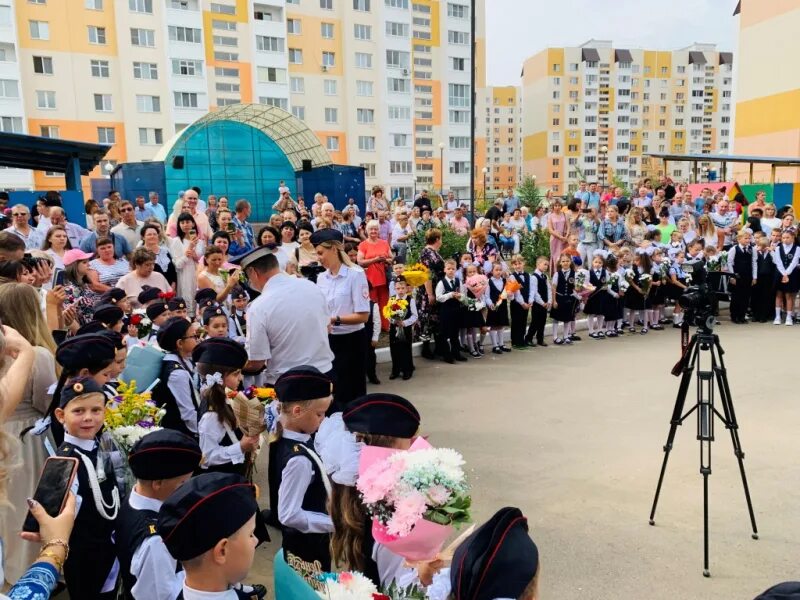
(213, 311)
(245, 260)
(239, 293)
(499, 560)
(156, 309)
(115, 337)
(205, 297)
(176, 303)
(80, 386)
(91, 327)
(172, 331)
(303, 383)
(382, 414)
(85, 351)
(204, 510)
(148, 294)
(113, 296)
(788, 590)
(220, 351)
(164, 454)
(108, 314)
(326, 235)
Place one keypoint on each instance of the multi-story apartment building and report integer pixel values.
(595, 111)
(498, 163)
(768, 87)
(381, 82)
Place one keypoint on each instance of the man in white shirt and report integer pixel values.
(287, 325)
(33, 238)
(75, 233)
(129, 227)
(326, 213)
(156, 209)
(643, 199)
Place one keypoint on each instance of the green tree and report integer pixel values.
(453, 244)
(529, 194)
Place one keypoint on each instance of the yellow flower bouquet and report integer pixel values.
(416, 274)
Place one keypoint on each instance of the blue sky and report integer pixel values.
(517, 29)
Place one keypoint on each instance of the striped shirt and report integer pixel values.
(110, 274)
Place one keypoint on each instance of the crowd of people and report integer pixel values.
(300, 307)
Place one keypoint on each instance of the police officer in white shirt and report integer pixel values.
(347, 293)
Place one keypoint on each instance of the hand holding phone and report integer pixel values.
(53, 488)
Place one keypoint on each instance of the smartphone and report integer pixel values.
(192, 235)
(53, 487)
(231, 228)
(58, 277)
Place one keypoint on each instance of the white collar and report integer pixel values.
(296, 436)
(190, 594)
(140, 502)
(87, 445)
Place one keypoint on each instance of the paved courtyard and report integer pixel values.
(574, 436)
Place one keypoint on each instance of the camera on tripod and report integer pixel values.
(699, 300)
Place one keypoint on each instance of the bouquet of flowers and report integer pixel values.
(350, 585)
(414, 497)
(688, 279)
(143, 324)
(718, 262)
(645, 281)
(225, 273)
(582, 287)
(664, 268)
(477, 285)
(630, 275)
(624, 284)
(249, 410)
(395, 310)
(416, 274)
(613, 279)
(512, 287)
(470, 303)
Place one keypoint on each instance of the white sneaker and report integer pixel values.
(777, 321)
(789, 321)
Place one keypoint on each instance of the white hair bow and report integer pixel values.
(211, 379)
(339, 450)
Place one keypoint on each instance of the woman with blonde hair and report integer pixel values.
(636, 227)
(20, 310)
(707, 231)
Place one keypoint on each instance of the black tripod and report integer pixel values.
(705, 341)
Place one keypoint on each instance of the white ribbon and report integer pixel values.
(211, 379)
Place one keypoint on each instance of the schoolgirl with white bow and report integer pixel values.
(219, 363)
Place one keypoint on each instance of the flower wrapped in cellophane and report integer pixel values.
(416, 274)
(131, 415)
(249, 408)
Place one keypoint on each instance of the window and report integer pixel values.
(362, 5)
(398, 59)
(459, 11)
(188, 67)
(271, 75)
(49, 131)
(148, 104)
(397, 29)
(401, 86)
(458, 64)
(459, 117)
(141, 6)
(459, 143)
(226, 72)
(94, 4)
(43, 65)
(397, 167)
(151, 137)
(222, 9)
(459, 167)
(100, 68)
(299, 112)
(180, 5)
(331, 115)
(399, 113)
(295, 56)
(97, 35)
(365, 116)
(143, 37)
(143, 70)
(186, 34)
(366, 143)
(106, 135)
(225, 25)
(229, 101)
(44, 100)
(282, 103)
(9, 88)
(11, 124)
(226, 56)
(295, 26)
(39, 30)
(328, 59)
(458, 94)
(297, 85)
(326, 4)
(229, 88)
(224, 40)
(37, 1)
(329, 85)
(458, 37)
(364, 88)
(398, 140)
(185, 99)
(361, 32)
(397, 4)
(102, 102)
(363, 60)
(332, 143)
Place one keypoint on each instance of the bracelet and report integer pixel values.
(57, 542)
(59, 562)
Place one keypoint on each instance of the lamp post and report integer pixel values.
(604, 159)
(705, 173)
(441, 172)
(485, 173)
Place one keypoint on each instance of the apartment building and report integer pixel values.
(594, 111)
(768, 86)
(383, 83)
(498, 161)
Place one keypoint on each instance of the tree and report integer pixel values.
(529, 194)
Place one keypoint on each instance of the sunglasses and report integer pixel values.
(19, 214)
(129, 209)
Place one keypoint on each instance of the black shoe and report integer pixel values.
(374, 380)
(543, 344)
(406, 376)
(480, 349)
(676, 326)
(449, 360)
(475, 354)
(427, 352)
(575, 338)
(530, 343)
(496, 350)
(461, 358)
(252, 590)
(568, 341)
(558, 341)
(504, 349)
(394, 376)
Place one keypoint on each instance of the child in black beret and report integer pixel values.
(215, 322)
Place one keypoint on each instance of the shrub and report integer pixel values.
(452, 243)
(533, 245)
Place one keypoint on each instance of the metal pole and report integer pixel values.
(473, 53)
(441, 174)
(751, 173)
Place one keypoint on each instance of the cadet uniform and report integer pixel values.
(148, 570)
(175, 391)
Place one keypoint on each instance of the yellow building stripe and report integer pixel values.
(534, 146)
(770, 114)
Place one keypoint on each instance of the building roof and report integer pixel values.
(590, 55)
(20, 151)
(293, 136)
(726, 58)
(778, 161)
(697, 58)
(623, 56)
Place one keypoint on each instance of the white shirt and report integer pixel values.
(190, 594)
(34, 239)
(152, 564)
(131, 234)
(287, 325)
(182, 388)
(346, 293)
(295, 479)
(212, 432)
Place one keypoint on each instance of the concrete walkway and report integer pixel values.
(574, 436)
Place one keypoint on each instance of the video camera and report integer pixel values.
(698, 300)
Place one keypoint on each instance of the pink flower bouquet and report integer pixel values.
(477, 285)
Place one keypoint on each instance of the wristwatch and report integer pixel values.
(338, 321)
